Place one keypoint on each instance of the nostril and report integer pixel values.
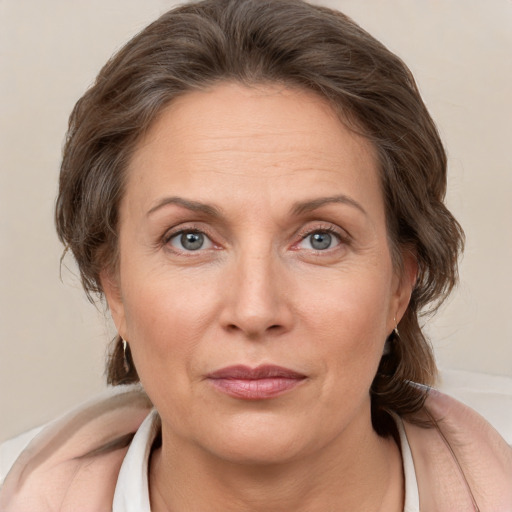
(274, 328)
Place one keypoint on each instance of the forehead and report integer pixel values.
(271, 139)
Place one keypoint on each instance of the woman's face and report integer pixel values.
(255, 283)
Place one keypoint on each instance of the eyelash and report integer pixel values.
(169, 235)
(341, 236)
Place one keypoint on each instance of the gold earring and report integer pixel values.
(395, 330)
(126, 365)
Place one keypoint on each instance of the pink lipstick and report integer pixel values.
(260, 383)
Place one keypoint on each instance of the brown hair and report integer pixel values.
(255, 41)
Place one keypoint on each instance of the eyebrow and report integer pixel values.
(298, 208)
(309, 206)
(194, 206)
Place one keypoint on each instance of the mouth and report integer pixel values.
(260, 383)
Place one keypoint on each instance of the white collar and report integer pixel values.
(132, 492)
(412, 499)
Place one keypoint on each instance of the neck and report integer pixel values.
(343, 476)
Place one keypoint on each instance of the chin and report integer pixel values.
(259, 451)
(260, 441)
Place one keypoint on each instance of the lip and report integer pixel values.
(260, 383)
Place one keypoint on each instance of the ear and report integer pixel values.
(112, 290)
(404, 286)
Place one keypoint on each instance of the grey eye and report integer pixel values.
(192, 241)
(188, 241)
(320, 240)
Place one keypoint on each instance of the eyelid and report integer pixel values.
(187, 228)
(326, 227)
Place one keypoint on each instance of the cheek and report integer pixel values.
(355, 306)
(347, 318)
(166, 318)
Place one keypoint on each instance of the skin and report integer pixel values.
(267, 161)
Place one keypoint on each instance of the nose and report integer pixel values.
(257, 299)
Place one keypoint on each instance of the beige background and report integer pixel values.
(52, 341)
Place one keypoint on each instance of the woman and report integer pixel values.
(257, 191)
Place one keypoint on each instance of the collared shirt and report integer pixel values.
(132, 492)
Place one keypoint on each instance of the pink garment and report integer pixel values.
(462, 464)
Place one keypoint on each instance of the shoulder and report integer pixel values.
(74, 459)
(489, 395)
(10, 450)
(461, 461)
